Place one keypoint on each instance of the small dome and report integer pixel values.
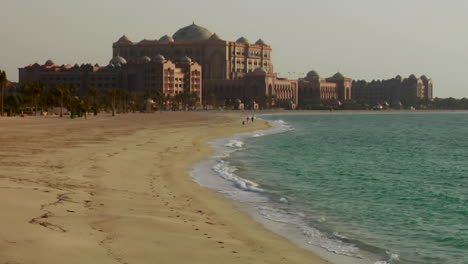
(96, 65)
(118, 60)
(242, 40)
(412, 77)
(49, 63)
(166, 38)
(145, 41)
(124, 40)
(159, 58)
(312, 74)
(338, 75)
(192, 32)
(238, 101)
(185, 59)
(424, 78)
(144, 59)
(260, 42)
(149, 101)
(259, 70)
(215, 37)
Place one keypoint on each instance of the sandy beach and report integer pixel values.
(117, 190)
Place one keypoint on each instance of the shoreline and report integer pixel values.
(262, 205)
(95, 199)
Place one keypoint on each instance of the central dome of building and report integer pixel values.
(192, 32)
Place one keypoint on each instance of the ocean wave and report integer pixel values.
(258, 135)
(234, 143)
(331, 244)
(313, 236)
(391, 257)
(227, 172)
(245, 196)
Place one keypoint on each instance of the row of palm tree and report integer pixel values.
(181, 101)
(34, 96)
(3, 83)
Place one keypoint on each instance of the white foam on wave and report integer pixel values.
(282, 125)
(258, 135)
(245, 196)
(234, 143)
(392, 257)
(227, 172)
(313, 236)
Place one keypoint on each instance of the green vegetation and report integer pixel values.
(435, 104)
(35, 98)
(3, 82)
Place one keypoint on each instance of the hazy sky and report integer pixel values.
(363, 39)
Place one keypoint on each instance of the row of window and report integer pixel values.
(136, 51)
(255, 63)
(73, 79)
(251, 53)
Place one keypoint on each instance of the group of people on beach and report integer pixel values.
(248, 119)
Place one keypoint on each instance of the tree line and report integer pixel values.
(359, 104)
(34, 97)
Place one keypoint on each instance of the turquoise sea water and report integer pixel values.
(395, 185)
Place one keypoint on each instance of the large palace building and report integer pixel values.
(398, 90)
(221, 72)
(313, 88)
(144, 75)
(192, 60)
(232, 70)
(220, 59)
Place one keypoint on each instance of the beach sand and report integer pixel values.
(117, 190)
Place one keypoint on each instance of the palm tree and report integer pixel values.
(94, 93)
(193, 100)
(37, 91)
(14, 102)
(168, 101)
(33, 91)
(212, 100)
(160, 98)
(3, 82)
(124, 96)
(60, 92)
(113, 93)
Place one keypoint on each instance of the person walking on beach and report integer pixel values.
(252, 119)
(247, 118)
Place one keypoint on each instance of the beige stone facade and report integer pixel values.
(142, 76)
(258, 87)
(232, 70)
(220, 59)
(313, 88)
(398, 90)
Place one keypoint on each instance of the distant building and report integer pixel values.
(394, 91)
(11, 87)
(232, 70)
(313, 88)
(145, 75)
(257, 87)
(220, 59)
